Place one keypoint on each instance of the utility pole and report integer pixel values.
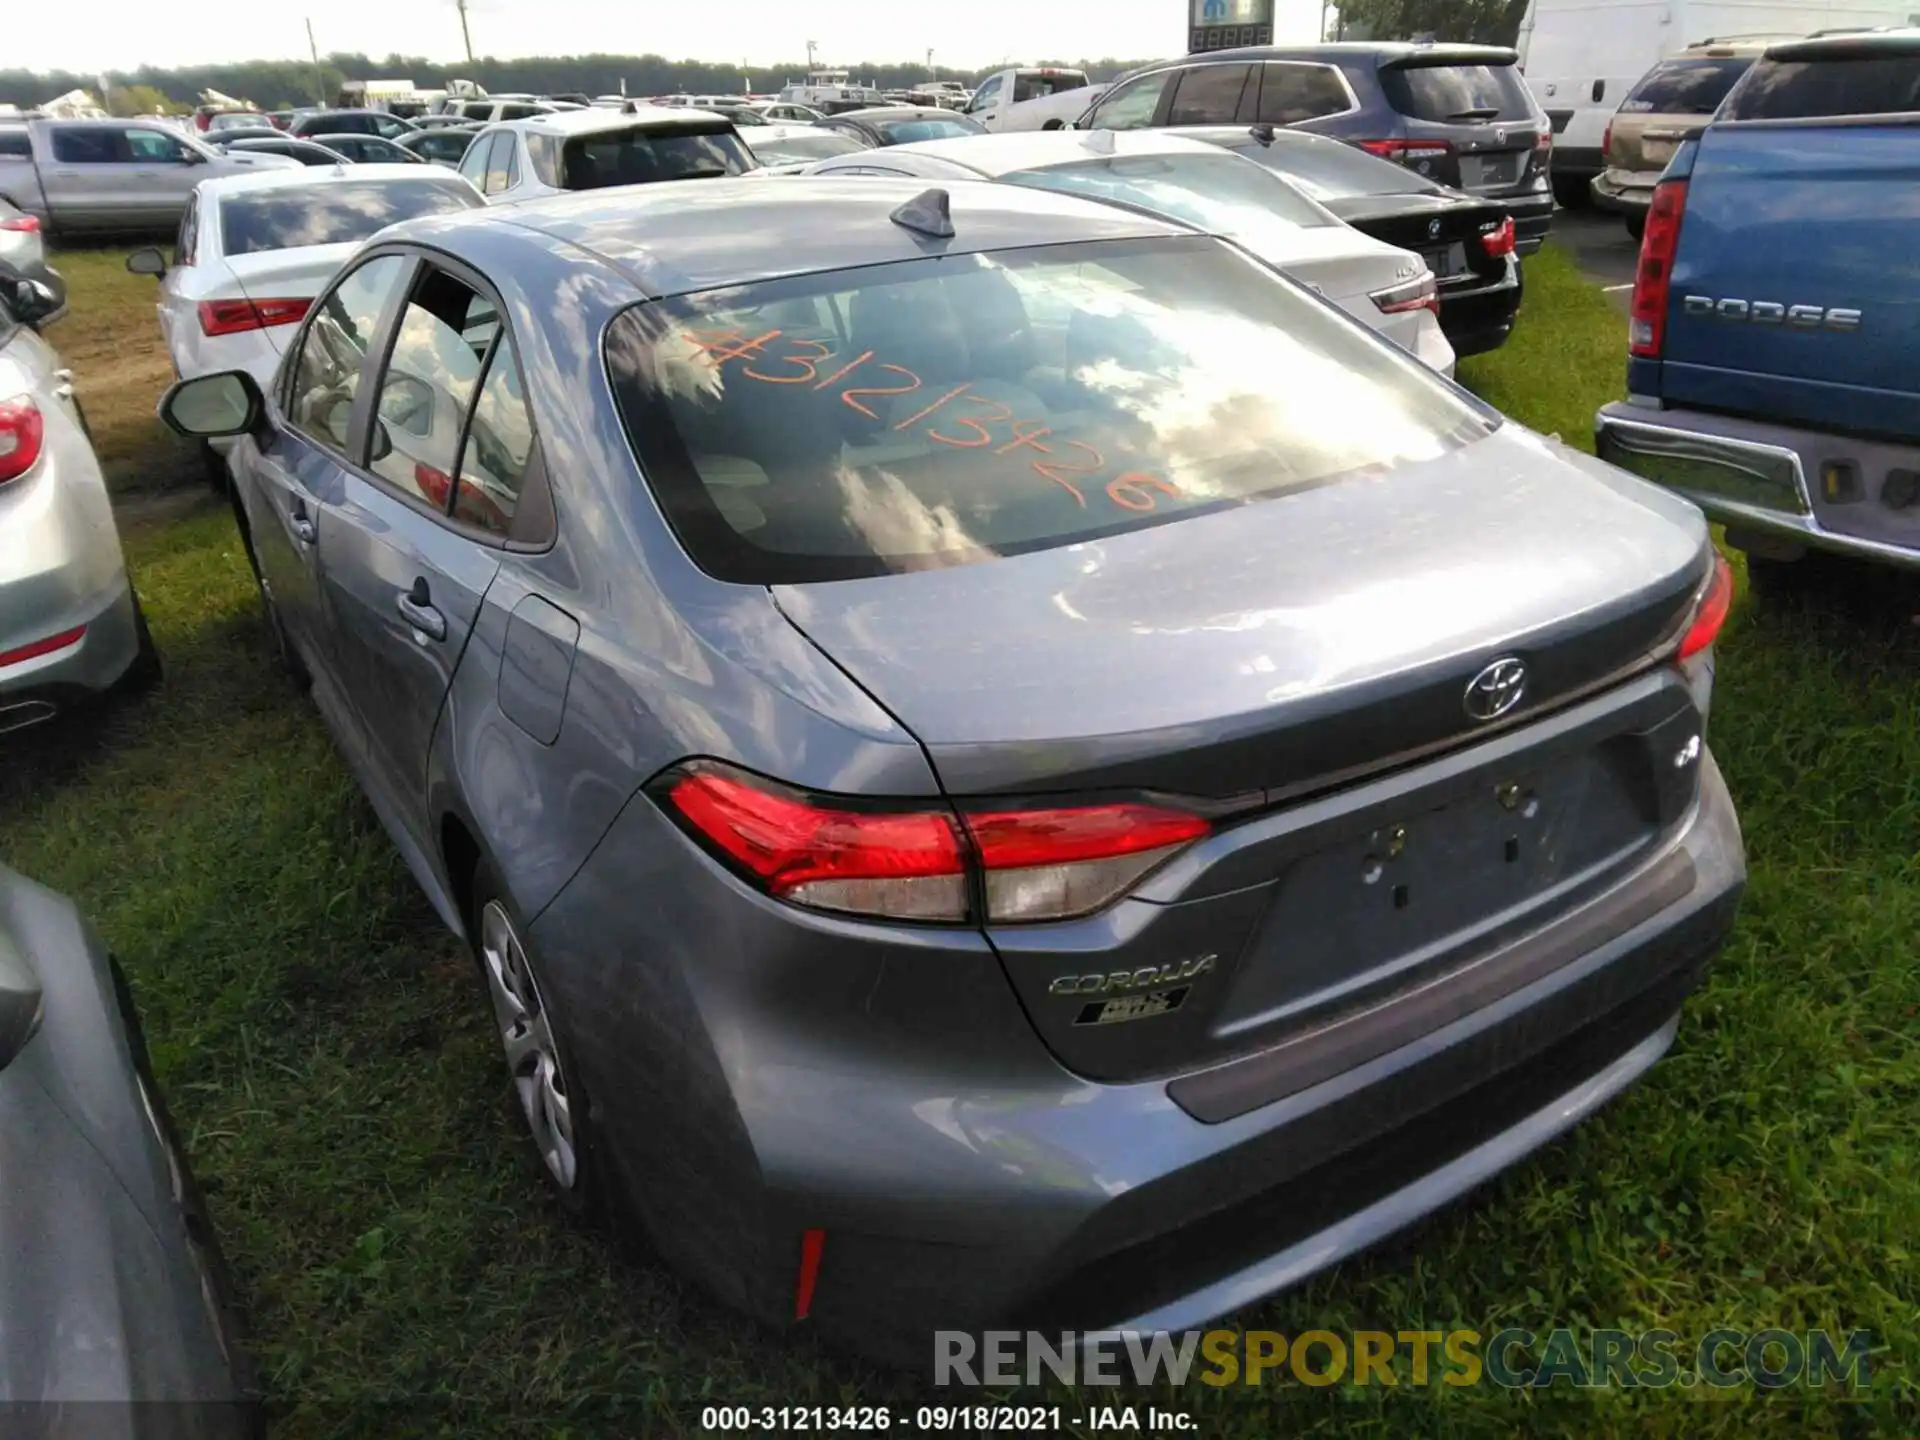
(465, 37)
(930, 71)
(319, 83)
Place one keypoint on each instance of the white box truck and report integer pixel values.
(1581, 57)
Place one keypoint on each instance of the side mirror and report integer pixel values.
(191, 157)
(31, 301)
(20, 1000)
(208, 406)
(1262, 132)
(147, 261)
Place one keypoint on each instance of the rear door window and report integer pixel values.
(90, 145)
(1456, 94)
(1866, 83)
(325, 375)
(1291, 93)
(439, 349)
(1684, 87)
(1209, 95)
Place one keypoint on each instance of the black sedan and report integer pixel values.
(902, 124)
(1467, 240)
(307, 152)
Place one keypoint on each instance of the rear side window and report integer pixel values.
(89, 145)
(15, 144)
(1684, 87)
(1456, 93)
(1033, 87)
(331, 214)
(1291, 93)
(953, 409)
(642, 156)
(1866, 84)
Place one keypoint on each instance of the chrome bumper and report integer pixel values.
(1754, 483)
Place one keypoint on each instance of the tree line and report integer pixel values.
(277, 84)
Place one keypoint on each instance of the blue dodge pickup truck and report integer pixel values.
(1774, 376)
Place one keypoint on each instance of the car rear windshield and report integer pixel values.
(927, 127)
(1219, 193)
(332, 214)
(645, 154)
(1684, 87)
(1032, 86)
(1863, 84)
(1456, 93)
(953, 409)
(790, 149)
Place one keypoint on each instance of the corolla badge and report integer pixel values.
(1495, 690)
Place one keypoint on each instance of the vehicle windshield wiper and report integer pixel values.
(1490, 112)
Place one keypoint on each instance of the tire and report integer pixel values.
(214, 466)
(285, 658)
(1779, 579)
(546, 1093)
(144, 674)
(1572, 191)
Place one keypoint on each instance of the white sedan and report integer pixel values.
(1387, 289)
(255, 249)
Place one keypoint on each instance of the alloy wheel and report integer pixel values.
(527, 1037)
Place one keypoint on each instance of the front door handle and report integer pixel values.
(303, 530)
(416, 608)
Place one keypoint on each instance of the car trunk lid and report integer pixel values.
(1468, 119)
(287, 275)
(1245, 663)
(1444, 230)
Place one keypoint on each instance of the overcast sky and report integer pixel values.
(87, 37)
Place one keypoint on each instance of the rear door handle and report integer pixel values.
(416, 608)
(303, 530)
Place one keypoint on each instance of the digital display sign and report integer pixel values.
(1222, 24)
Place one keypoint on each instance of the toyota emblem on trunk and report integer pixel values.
(1496, 689)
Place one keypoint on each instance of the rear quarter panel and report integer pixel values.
(1800, 214)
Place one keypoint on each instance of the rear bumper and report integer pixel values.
(1767, 483)
(1480, 320)
(1003, 1191)
(1625, 192)
(43, 687)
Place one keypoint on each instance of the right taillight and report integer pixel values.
(1500, 240)
(1709, 611)
(21, 224)
(1653, 281)
(922, 863)
(22, 434)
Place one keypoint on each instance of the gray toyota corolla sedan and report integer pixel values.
(1000, 761)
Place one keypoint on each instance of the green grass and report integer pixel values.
(322, 1042)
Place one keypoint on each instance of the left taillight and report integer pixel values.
(23, 432)
(1420, 293)
(1653, 279)
(1709, 610)
(229, 317)
(924, 864)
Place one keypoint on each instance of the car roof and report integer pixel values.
(1007, 151)
(895, 112)
(220, 186)
(1383, 52)
(590, 121)
(1892, 40)
(663, 236)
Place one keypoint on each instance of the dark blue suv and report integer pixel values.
(1460, 115)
